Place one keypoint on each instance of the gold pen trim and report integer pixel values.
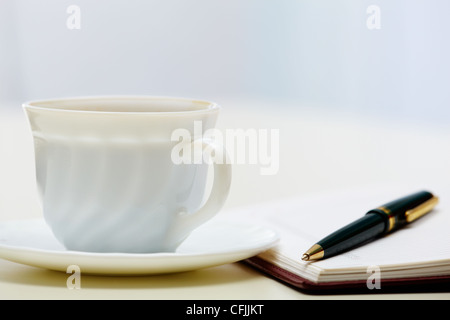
(391, 218)
(421, 210)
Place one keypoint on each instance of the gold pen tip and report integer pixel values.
(314, 253)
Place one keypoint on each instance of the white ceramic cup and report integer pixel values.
(105, 176)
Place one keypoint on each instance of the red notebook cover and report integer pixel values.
(422, 284)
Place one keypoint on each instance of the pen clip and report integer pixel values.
(421, 209)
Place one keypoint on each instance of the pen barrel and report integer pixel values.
(356, 233)
(375, 223)
(401, 211)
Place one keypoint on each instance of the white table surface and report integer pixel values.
(318, 151)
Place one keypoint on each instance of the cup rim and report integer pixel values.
(37, 104)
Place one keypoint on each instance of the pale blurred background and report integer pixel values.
(316, 53)
(355, 104)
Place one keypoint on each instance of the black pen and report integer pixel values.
(375, 223)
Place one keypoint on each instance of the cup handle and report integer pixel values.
(219, 191)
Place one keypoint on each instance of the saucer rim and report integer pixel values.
(19, 253)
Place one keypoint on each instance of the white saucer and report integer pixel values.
(217, 242)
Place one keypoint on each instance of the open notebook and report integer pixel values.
(418, 254)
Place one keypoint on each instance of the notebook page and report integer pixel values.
(304, 220)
